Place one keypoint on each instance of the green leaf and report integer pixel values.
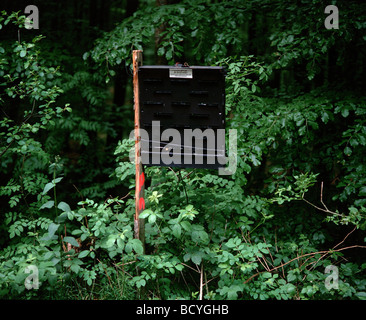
(347, 151)
(72, 241)
(254, 159)
(361, 295)
(52, 228)
(48, 255)
(196, 257)
(120, 243)
(64, 206)
(145, 213)
(23, 53)
(75, 268)
(325, 117)
(345, 113)
(48, 204)
(161, 51)
(152, 218)
(169, 54)
(186, 225)
(111, 240)
(362, 191)
(177, 231)
(137, 246)
(48, 187)
(83, 254)
(140, 283)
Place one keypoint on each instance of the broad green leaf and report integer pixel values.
(83, 254)
(48, 255)
(361, 295)
(120, 243)
(152, 218)
(325, 117)
(48, 187)
(362, 191)
(48, 204)
(161, 51)
(57, 180)
(177, 231)
(52, 228)
(137, 246)
(196, 257)
(64, 206)
(145, 213)
(111, 240)
(72, 241)
(186, 225)
(75, 268)
(345, 113)
(347, 151)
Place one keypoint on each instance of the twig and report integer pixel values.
(82, 198)
(321, 196)
(173, 172)
(123, 264)
(326, 210)
(321, 209)
(315, 262)
(201, 283)
(184, 186)
(264, 239)
(189, 267)
(106, 273)
(345, 237)
(207, 282)
(188, 174)
(305, 255)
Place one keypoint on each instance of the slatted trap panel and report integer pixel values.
(174, 101)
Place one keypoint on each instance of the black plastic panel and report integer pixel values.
(182, 98)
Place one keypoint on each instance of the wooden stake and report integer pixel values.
(140, 177)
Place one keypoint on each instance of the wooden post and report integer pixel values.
(140, 176)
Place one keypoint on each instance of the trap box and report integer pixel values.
(182, 98)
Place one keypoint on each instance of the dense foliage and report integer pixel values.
(295, 205)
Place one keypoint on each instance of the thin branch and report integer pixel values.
(6, 148)
(186, 265)
(201, 283)
(106, 273)
(326, 210)
(188, 174)
(207, 282)
(264, 239)
(345, 237)
(173, 172)
(305, 255)
(321, 209)
(321, 196)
